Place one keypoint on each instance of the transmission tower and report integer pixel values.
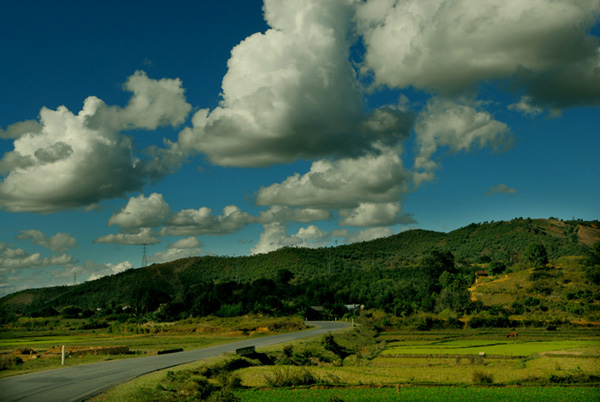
(144, 257)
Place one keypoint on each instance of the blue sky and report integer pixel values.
(233, 128)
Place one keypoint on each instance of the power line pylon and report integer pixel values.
(144, 257)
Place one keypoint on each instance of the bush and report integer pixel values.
(328, 342)
(288, 377)
(312, 355)
(482, 377)
(497, 268)
(227, 366)
(71, 312)
(8, 362)
(297, 376)
(580, 378)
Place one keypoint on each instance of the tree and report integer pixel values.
(592, 268)
(536, 254)
(497, 268)
(284, 276)
(594, 257)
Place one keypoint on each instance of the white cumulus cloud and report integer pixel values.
(375, 214)
(195, 222)
(138, 237)
(188, 247)
(449, 46)
(459, 127)
(275, 236)
(343, 183)
(291, 93)
(141, 211)
(368, 234)
(77, 160)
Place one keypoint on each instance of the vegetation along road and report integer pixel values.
(82, 382)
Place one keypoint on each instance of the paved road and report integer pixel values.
(77, 383)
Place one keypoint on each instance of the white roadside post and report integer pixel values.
(62, 360)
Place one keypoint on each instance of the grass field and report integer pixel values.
(452, 357)
(406, 365)
(475, 346)
(188, 334)
(540, 376)
(432, 394)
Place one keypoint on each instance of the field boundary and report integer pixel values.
(451, 356)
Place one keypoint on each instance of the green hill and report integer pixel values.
(398, 273)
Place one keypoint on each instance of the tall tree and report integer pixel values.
(537, 255)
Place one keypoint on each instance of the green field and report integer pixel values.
(432, 394)
(141, 339)
(145, 343)
(563, 368)
(476, 346)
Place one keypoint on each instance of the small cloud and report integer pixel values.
(501, 189)
(369, 234)
(526, 107)
(189, 247)
(142, 236)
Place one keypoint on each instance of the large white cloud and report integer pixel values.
(291, 93)
(343, 183)
(448, 46)
(77, 160)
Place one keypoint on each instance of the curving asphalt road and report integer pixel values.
(77, 383)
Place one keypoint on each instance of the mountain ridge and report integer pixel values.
(478, 243)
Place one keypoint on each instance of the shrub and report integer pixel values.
(579, 378)
(328, 342)
(497, 268)
(8, 362)
(482, 377)
(288, 350)
(227, 366)
(197, 387)
(291, 377)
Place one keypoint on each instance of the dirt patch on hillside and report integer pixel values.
(589, 235)
(23, 298)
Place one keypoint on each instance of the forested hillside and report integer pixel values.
(413, 271)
